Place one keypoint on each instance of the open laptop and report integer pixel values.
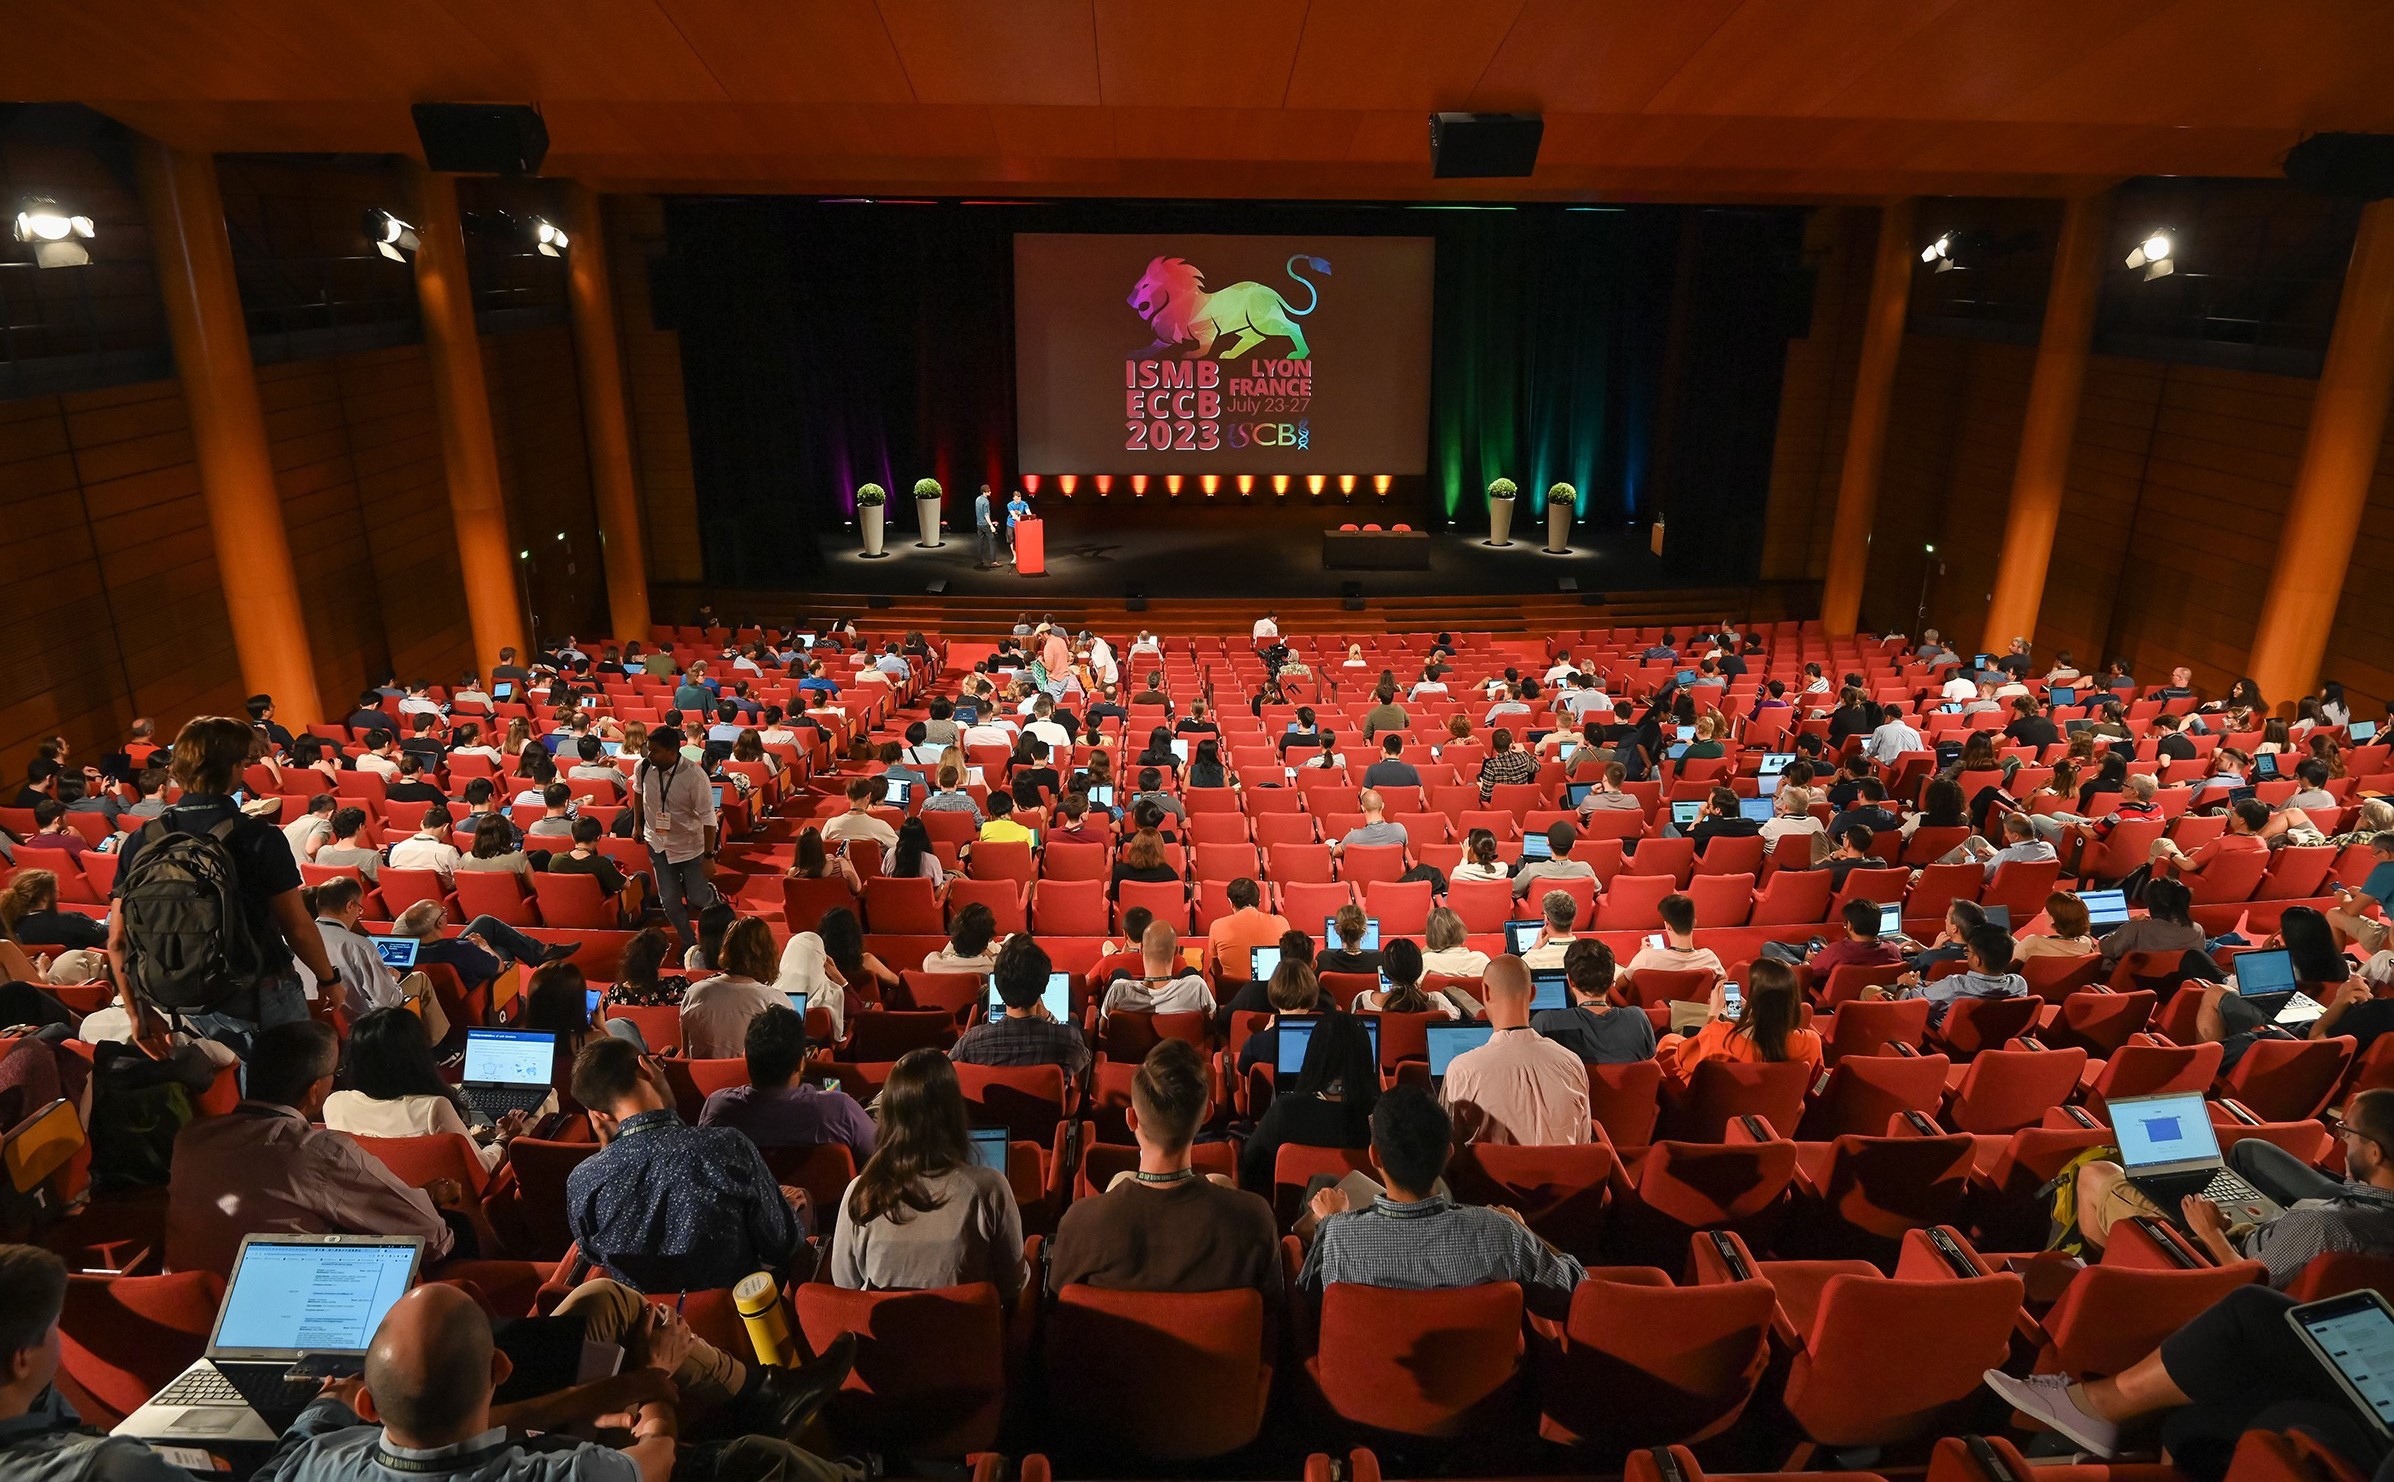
(1773, 763)
(1520, 936)
(1371, 934)
(1296, 1034)
(1576, 793)
(1768, 783)
(2105, 909)
(2265, 767)
(1056, 996)
(293, 1298)
(507, 1070)
(2169, 1150)
(1536, 846)
(989, 1147)
(2266, 980)
(2361, 731)
(1549, 989)
(397, 953)
(1101, 795)
(1758, 809)
(1685, 812)
(2062, 694)
(1262, 963)
(899, 791)
(1449, 1040)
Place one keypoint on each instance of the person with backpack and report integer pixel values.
(207, 914)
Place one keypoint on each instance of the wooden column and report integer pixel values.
(2323, 516)
(605, 425)
(185, 212)
(485, 558)
(2050, 426)
(1866, 430)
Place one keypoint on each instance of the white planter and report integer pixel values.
(926, 517)
(1558, 527)
(872, 520)
(1500, 521)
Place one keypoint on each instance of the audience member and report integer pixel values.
(777, 1109)
(1596, 1027)
(922, 1214)
(1519, 1087)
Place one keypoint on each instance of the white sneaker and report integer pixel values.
(2046, 1399)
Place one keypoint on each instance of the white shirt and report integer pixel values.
(677, 807)
(360, 1115)
(1101, 662)
(1892, 740)
(1186, 994)
(380, 766)
(1057, 738)
(1454, 962)
(991, 732)
(1266, 628)
(1960, 687)
(1780, 827)
(366, 982)
(805, 969)
(425, 852)
(305, 830)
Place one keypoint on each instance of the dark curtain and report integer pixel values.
(828, 344)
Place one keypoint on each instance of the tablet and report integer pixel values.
(2352, 1337)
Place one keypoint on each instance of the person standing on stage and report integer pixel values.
(1018, 509)
(673, 811)
(985, 531)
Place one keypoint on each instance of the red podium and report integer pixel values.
(1030, 548)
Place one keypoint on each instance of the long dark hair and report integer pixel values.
(1339, 1058)
(914, 841)
(2311, 942)
(2168, 900)
(390, 1056)
(1943, 806)
(843, 942)
(1772, 1008)
(922, 1133)
(643, 958)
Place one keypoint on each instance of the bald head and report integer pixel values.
(1157, 948)
(432, 1368)
(1506, 987)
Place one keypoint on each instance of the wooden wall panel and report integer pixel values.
(1816, 396)
(2361, 649)
(544, 474)
(652, 370)
(403, 500)
(317, 479)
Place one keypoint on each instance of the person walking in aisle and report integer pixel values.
(673, 812)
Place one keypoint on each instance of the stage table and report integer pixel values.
(1030, 548)
(1375, 550)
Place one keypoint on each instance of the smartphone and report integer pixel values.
(1733, 999)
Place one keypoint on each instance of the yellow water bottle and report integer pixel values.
(758, 1296)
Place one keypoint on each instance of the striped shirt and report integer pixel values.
(1435, 1243)
(2358, 1218)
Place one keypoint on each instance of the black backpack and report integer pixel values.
(189, 945)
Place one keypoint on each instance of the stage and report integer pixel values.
(1112, 548)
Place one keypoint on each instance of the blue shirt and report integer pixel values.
(1017, 509)
(670, 1207)
(328, 1443)
(981, 512)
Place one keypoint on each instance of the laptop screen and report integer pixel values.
(2104, 908)
(1891, 918)
(1449, 1040)
(797, 1002)
(2355, 1334)
(1576, 793)
(2265, 767)
(2062, 694)
(1180, 750)
(899, 791)
(1768, 783)
(1371, 934)
(311, 1293)
(2268, 971)
(509, 1057)
(1266, 962)
(1101, 795)
(1519, 935)
(2159, 1132)
(1758, 809)
(1056, 996)
(397, 953)
(1685, 813)
(1549, 990)
(1774, 762)
(1536, 846)
(1296, 1034)
(989, 1147)
(2361, 730)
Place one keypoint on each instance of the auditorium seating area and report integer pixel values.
(1783, 1272)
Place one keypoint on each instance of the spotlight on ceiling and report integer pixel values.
(56, 237)
(393, 238)
(2156, 254)
(548, 238)
(1939, 253)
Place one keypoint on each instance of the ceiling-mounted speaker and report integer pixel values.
(2356, 166)
(1467, 146)
(482, 138)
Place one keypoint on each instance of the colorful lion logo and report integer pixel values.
(1171, 297)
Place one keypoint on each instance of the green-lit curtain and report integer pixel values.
(1528, 313)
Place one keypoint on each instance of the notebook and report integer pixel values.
(292, 1297)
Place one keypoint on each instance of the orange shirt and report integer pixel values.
(1716, 1041)
(1236, 933)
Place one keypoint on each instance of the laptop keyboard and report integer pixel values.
(494, 1102)
(2227, 1189)
(202, 1386)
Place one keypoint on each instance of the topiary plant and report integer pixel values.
(1501, 488)
(926, 488)
(1563, 494)
(871, 496)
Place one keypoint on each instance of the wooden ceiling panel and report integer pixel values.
(1232, 134)
(1980, 61)
(1413, 55)
(1752, 63)
(2307, 64)
(996, 51)
(236, 51)
(1570, 56)
(823, 51)
(1053, 133)
(270, 128)
(584, 49)
(1225, 54)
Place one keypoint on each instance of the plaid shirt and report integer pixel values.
(1024, 1041)
(2358, 1218)
(1504, 768)
(1436, 1243)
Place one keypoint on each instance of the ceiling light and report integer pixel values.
(56, 237)
(2156, 254)
(549, 239)
(391, 237)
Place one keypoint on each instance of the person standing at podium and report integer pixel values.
(1018, 509)
(985, 531)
